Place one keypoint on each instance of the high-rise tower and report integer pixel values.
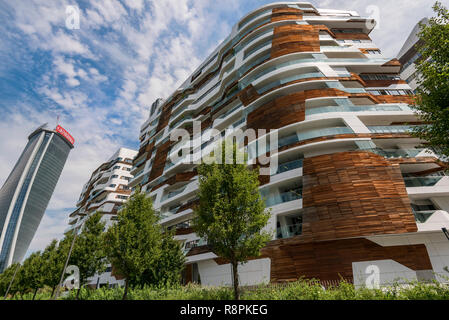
(26, 193)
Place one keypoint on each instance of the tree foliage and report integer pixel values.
(433, 79)
(231, 214)
(5, 280)
(30, 275)
(53, 259)
(137, 247)
(88, 253)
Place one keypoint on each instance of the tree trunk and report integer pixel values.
(34, 295)
(235, 280)
(78, 293)
(126, 290)
(52, 291)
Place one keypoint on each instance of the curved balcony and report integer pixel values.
(358, 108)
(292, 195)
(430, 181)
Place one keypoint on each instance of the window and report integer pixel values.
(116, 167)
(114, 176)
(121, 197)
(347, 30)
(112, 185)
(380, 76)
(399, 92)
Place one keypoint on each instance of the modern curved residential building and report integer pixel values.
(26, 193)
(106, 190)
(349, 188)
(409, 54)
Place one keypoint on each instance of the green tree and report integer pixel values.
(30, 274)
(88, 252)
(5, 280)
(137, 247)
(231, 213)
(432, 101)
(53, 259)
(167, 270)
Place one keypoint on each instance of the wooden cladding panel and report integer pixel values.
(164, 117)
(351, 36)
(329, 260)
(280, 14)
(278, 113)
(383, 83)
(353, 194)
(159, 161)
(188, 205)
(396, 99)
(179, 177)
(286, 110)
(198, 250)
(184, 231)
(294, 38)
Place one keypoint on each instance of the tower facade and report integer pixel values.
(26, 193)
(348, 186)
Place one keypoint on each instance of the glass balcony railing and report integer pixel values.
(323, 132)
(423, 216)
(283, 197)
(288, 166)
(256, 62)
(289, 231)
(390, 129)
(289, 79)
(224, 115)
(311, 111)
(171, 194)
(250, 19)
(297, 137)
(170, 212)
(181, 120)
(403, 153)
(258, 47)
(421, 181)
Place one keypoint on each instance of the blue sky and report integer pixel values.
(102, 78)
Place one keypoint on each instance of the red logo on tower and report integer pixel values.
(65, 134)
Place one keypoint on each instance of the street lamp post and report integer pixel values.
(66, 263)
(12, 280)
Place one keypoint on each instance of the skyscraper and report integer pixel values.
(26, 193)
(353, 189)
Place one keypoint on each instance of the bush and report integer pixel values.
(300, 290)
